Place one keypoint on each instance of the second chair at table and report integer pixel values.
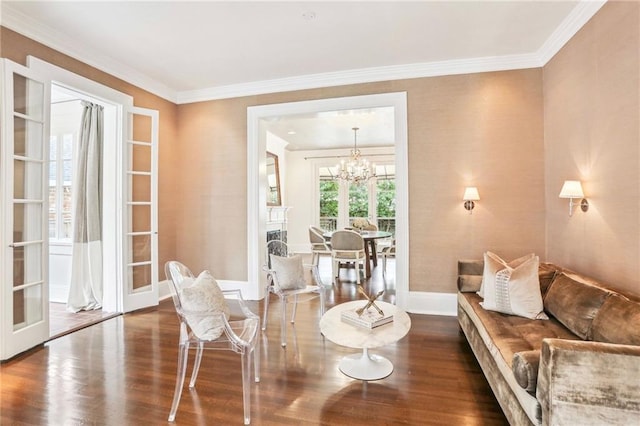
(347, 247)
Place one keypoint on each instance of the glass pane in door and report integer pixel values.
(358, 202)
(27, 138)
(28, 97)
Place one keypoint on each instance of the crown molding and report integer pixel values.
(576, 19)
(584, 10)
(35, 30)
(363, 75)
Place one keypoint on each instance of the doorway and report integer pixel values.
(256, 178)
(66, 115)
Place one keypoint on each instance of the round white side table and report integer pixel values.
(364, 366)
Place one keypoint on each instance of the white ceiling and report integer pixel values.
(190, 51)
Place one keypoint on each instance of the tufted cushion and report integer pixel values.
(617, 321)
(289, 272)
(574, 303)
(203, 303)
(525, 369)
(513, 291)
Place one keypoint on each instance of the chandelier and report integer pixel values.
(356, 170)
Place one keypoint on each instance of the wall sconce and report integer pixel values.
(470, 195)
(572, 189)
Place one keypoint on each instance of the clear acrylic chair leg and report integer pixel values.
(246, 379)
(183, 355)
(266, 308)
(283, 322)
(295, 307)
(196, 365)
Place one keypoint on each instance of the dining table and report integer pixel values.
(370, 250)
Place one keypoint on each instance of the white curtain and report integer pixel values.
(85, 292)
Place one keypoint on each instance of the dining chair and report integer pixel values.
(212, 319)
(347, 247)
(386, 252)
(287, 278)
(319, 245)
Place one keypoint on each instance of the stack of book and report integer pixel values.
(370, 318)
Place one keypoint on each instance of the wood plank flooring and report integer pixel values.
(122, 372)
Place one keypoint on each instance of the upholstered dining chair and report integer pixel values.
(347, 247)
(386, 252)
(212, 319)
(319, 245)
(287, 278)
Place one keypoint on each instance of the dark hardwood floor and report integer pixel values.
(122, 372)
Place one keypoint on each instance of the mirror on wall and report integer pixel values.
(273, 181)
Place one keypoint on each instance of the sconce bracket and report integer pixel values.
(469, 205)
(584, 205)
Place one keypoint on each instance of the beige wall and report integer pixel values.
(592, 133)
(478, 129)
(481, 129)
(17, 47)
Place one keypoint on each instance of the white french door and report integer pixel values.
(24, 294)
(140, 245)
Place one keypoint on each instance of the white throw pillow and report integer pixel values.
(202, 303)
(513, 264)
(289, 272)
(513, 291)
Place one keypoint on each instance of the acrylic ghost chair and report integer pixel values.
(275, 284)
(239, 334)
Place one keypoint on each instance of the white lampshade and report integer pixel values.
(571, 189)
(471, 194)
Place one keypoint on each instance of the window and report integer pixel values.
(60, 191)
(375, 200)
(386, 203)
(358, 202)
(329, 191)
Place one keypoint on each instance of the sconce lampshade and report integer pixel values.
(571, 189)
(471, 194)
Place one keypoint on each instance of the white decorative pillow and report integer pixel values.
(513, 264)
(513, 291)
(202, 303)
(289, 272)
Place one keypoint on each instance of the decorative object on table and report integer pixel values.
(357, 170)
(369, 315)
(360, 223)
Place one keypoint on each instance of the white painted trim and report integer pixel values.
(19, 22)
(164, 292)
(362, 75)
(578, 17)
(36, 30)
(256, 179)
(427, 303)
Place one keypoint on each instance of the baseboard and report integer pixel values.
(422, 302)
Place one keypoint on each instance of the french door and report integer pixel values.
(140, 213)
(131, 264)
(24, 234)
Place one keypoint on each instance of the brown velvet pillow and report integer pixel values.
(617, 321)
(525, 369)
(574, 303)
(546, 274)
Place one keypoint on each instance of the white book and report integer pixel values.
(370, 318)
